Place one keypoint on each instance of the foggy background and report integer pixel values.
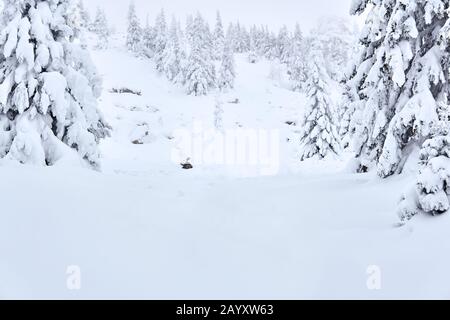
(274, 13)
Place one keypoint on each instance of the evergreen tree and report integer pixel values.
(134, 35)
(271, 49)
(160, 40)
(254, 39)
(231, 37)
(348, 106)
(76, 21)
(400, 78)
(336, 40)
(319, 136)
(283, 44)
(241, 38)
(297, 61)
(189, 28)
(209, 39)
(219, 38)
(174, 55)
(85, 17)
(431, 192)
(49, 86)
(148, 39)
(100, 27)
(227, 72)
(252, 55)
(199, 72)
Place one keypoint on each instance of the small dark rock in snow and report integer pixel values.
(126, 90)
(291, 123)
(187, 165)
(235, 101)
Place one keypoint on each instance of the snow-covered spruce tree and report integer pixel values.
(189, 27)
(231, 37)
(199, 70)
(244, 39)
(182, 36)
(318, 135)
(297, 61)
(349, 105)
(134, 32)
(252, 54)
(49, 86)
(85, 17)
(255, 42)
(401, 77)
(284, 46)
(76, 21)
(227, 72)
(261, 41)
(101, 29)
(160, 40)
(241, 38)
(174, 55)
(432, 189)
(271, 48)
(148, 40)
(336, 39)
(219, 38)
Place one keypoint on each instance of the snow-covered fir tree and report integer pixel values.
(219, 38)
(399, 79)
(297, 60)
(231, 36)
(271, 51)
(101, 29)
(318, 136)
(160, 40)
(148, 39)
(336, 39)
(200, 74)
(241, 38)
(85, 17)
(284, 45)
(174, 55)
(227, 71)
(134, 31)
(182, 37)
(189, 27)
(349, 104)
(49, 87)
(209, 39)
(431, 192)
(252, 54)
(77, 22)
(255, 43)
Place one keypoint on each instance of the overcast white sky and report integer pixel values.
(272, 12)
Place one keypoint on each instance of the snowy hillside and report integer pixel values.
(172, 160)
(145, 228)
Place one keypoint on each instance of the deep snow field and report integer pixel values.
(145, 228)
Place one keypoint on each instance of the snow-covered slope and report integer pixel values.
(145, 228)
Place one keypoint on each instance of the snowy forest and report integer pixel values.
(153, 154)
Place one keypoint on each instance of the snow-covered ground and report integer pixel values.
(145, 228)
